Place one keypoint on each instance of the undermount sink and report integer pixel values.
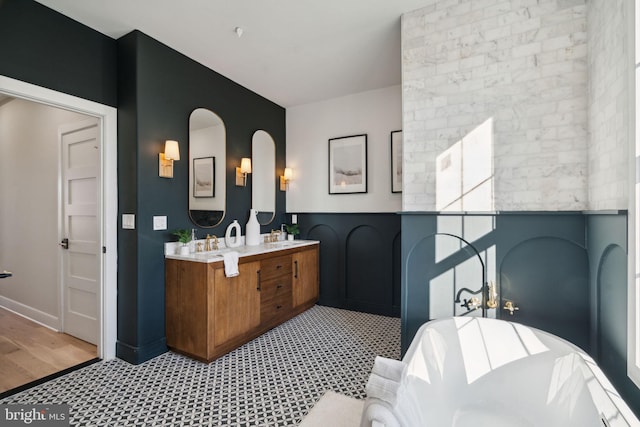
(283, 244)
(206, 255)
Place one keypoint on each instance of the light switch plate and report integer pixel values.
(294, 219)
(128, 221)
(160, 222)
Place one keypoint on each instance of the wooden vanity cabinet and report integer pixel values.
(209, 314)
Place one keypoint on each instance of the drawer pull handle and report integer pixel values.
(259, 280)
(278, 307)
(278, 286)
(296, 273)
(278, 266)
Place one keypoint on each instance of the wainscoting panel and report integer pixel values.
(360, 258)
(612, 301)
(331, 262)
(547, 279)
(608, 261)
(366, 282)
(537, 260)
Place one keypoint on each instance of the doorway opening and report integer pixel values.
(27, 185)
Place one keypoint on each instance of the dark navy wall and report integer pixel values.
(159, 88)
(45, 48)
(359, 259)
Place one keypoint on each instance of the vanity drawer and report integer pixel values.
(274, 267)
(274, 307)
(275, 287)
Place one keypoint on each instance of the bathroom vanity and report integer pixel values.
(209, 314)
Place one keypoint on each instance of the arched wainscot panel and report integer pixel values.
(396, 275)
(365, 268)
(439, 269)
(547, 279)
(330, 265)
(612, 316)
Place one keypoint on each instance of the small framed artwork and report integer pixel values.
(348, 164)
(396, 161)
(204, 172)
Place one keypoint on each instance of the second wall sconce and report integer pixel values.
(284, 179)
(165, 163)
(242, 171)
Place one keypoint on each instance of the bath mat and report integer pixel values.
(336, 410)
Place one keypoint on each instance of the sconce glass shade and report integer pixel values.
(245, 165)
(285, 178)
(288, 174)
(242, 171)
(171, 150)
(165, 160)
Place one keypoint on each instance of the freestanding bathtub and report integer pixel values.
(465, 371)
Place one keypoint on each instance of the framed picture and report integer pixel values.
(348, 164)
(204, 172)
(396, 161)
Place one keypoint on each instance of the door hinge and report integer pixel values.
(104, 249)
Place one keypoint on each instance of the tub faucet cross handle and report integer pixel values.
(510, 307)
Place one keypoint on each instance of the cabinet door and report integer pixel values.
(186, 307)
(305, 276)
(236, 303)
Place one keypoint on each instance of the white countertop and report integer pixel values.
(242, 250)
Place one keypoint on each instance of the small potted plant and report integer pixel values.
(184, 237)
(292, 230)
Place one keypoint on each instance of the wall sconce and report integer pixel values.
(171, 153)
(242, 171)
(284, 179)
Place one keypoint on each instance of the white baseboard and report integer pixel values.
(33, 314)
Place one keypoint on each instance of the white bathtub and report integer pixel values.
(485, 372)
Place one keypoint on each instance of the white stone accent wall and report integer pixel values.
(521, 63)
(610, 59)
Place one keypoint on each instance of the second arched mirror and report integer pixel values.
(207, 167)
(263, 195)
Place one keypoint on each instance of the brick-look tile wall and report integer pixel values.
(609, 63)
(522, 63)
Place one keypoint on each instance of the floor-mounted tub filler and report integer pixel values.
(473, 372)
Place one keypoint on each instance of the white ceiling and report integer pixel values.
(291, 51)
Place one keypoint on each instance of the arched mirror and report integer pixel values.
(263, 195)
(207, 167)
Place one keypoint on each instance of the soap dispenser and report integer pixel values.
(192, 243)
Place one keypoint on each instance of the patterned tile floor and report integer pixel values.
(273, 380)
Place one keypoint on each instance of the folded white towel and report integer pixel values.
(382, 388)
(231, 264)
(389, 368)
(378, 414)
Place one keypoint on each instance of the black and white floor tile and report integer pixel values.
(273, 380)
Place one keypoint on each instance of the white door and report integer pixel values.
(80, 242)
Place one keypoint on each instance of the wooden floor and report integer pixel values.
(29, 351)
